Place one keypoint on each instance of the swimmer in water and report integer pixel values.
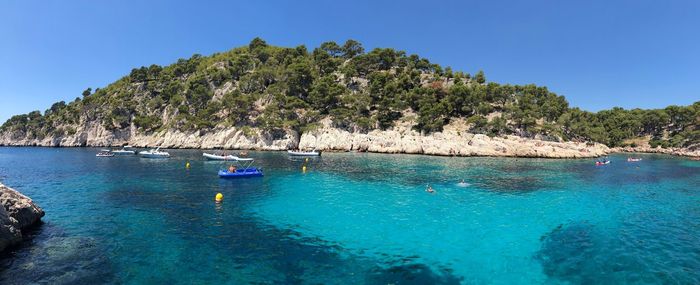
(429, 189)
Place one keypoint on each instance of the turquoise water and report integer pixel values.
(355, 218)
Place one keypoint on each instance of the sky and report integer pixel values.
(599, 54)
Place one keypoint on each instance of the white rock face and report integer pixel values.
(97, 135)
(445, 143)
(671, 151)
(401, 139)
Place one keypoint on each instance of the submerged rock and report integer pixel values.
(58, 260)
(17, 212)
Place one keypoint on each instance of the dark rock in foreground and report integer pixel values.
(17, 212)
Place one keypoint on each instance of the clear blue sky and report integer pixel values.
(599, 54)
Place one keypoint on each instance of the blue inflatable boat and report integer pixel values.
(241, 173)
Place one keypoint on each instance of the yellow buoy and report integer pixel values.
(187, 165)
(307, 160)
(303, 168)
(219, 197)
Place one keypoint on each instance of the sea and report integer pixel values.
(354, 218)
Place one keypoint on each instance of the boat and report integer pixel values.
(244, 169)
(104, 153)
(124, 151)
(602, 162)
(632, 159)
(219, 157)
(304, 153)
(154, 153)
(241, 173)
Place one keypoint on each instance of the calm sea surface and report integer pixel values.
(355, 218)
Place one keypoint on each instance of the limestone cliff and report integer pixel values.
(453, 140)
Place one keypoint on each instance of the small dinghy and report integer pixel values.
(304, 153)
(219, 157)
(242, 169)
(154, 153)
(633, 159)
(602, 162)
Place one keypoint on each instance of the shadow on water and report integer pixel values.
(409, 274)
(233, 235)
(581, 253)
(49, 256)
(512, 184)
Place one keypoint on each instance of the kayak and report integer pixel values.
(241, 173)
(602, 163)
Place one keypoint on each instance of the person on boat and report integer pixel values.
(429, 189)
(231, 169)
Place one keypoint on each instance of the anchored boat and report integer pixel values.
(242, 169)
(219, 157)
(124, 151)
(304, 153)
(154, 153)
(104, 153)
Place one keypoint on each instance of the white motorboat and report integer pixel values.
(124, 151)
(304, 153)
(104, 153)
(154, 153)
(219, 157)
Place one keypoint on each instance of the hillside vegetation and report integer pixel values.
(277, 89)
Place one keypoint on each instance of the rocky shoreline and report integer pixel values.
(449, 142)
(670, 151)
(17, 213)
(452, 141)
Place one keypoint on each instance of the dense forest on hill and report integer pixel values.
(276, 89)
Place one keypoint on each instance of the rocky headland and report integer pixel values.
(341, 98)
(16, 214)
